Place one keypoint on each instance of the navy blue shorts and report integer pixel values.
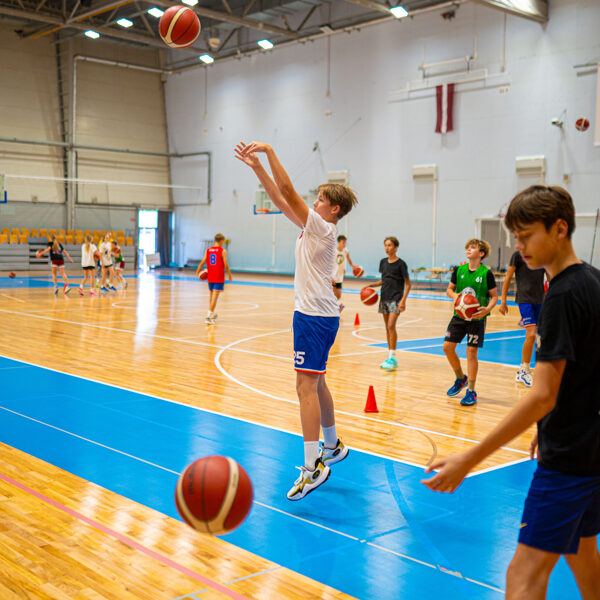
(530, 314)
(313, 338)
(559, 510)
(216, 286)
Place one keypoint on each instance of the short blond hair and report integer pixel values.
(219, 237)
(482, 244)
(339, 195)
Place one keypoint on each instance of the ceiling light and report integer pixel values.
(92, 34)
(207, 58)
(124, 22)
(399, 12)
(156, 12)
(265, 44)
(190, 2)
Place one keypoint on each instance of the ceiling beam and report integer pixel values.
(372, 5)
(535, 10)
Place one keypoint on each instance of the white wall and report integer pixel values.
(116, 107)
(280, 97)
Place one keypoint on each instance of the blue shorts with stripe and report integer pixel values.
(313, 338)
(216, 286)
(559, 510)
(530, 314)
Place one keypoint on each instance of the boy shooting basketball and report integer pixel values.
(215, 259)
(477, 279)
(562, 510)
(316, 312)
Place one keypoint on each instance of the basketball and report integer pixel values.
(369, 296)
(96, 255)
(582, 124)
(358, 271)
(39, 254)
(12, 274)
(214, 494)
(179, 27)
(203, 275)
(466, 305)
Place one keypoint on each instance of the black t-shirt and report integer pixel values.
(393, 276)
(569, 329)
(530, 282)
(56, 255)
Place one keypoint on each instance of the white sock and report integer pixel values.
(311, 454)
(525, 367)
(391, 354)
(330, 436)
(210, 314)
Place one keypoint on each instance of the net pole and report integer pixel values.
(594, 239)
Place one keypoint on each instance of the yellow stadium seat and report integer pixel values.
(23, 239)
(87, 232)
(61, 232)
(34, 233)
(15, 231)
(51, 231)
(5, 231)
(14, 239)
(43, 233)
(25, 231)
(71, 232)
(3, 238)
(129, 241)
(69, 239)
(61, 238)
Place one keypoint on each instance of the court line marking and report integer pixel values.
(166, 560)
(125, 540)
(12, 298)
(217, 360)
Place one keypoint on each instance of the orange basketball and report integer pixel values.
(96, 255)
(12, 274)
(203, 275)
(466, 305)
(214, 494)
(358, 271)
(369, 296)
(179, 27)
(39, 254)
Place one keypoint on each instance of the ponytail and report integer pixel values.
(55, 245)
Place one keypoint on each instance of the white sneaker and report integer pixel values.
(309, 480)
(209, 320)
(330, 456)
(524, 377)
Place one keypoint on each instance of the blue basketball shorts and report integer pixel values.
(313, 338)
(216, 286)
(559, 510)
(530, 314)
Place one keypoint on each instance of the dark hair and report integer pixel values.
(341, 238)
(392, 239)
(339, 195)
(482, 244)
(541, 204)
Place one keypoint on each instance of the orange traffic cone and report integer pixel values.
(356, 321)
(371, 405)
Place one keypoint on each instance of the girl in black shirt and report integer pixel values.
(58, 262)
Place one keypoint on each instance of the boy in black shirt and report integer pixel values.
(530, 295)
(395, 285)
(562, 510)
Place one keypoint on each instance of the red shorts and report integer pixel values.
(58, 263)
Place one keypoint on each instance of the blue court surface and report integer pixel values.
(372, 530)
(502, 347)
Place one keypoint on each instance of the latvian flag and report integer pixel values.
(445, 99)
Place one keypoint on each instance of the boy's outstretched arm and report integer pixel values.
(282, 180)
(268, 184)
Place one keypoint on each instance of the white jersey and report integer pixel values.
(87, 258)
(339, 265)
(315, 251)
(106, 257)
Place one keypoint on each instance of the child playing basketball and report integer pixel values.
(530, 295)
(88, 264)
(562, 510)
(106, 261)
(316, 312)
(119, 264)
(57, 262)
(339, 268)
(478, 280)
(215, 259)
(395, 285)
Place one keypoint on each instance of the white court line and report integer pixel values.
(267, 506)
(217, 360)
(12, 298)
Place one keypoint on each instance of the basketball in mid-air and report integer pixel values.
(214, 494)
(203, 275)
(368, 296)
(179, 27)
(466, 305)
(582, 124)
(358, 271)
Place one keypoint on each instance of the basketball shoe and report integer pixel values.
(524, 377)
(458, 385)
(309, 480)
(330, 456)
(470, 398)
(389, 364)
(66, 289)
(55, 290)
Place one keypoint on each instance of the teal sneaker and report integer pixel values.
(470, 398)
(390, 364)
(458, 385)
